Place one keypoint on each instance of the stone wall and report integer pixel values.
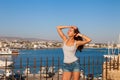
(111, 69)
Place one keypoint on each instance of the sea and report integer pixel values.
(91, 59)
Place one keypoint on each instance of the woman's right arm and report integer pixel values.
(60, 32)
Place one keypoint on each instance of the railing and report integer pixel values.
(92, 68)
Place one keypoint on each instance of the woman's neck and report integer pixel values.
(71, 39)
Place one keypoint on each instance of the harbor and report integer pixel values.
(41, 39)
(47, 64)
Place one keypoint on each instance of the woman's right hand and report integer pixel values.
(75, 27)
(60, 32)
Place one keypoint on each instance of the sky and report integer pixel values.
(98, 19)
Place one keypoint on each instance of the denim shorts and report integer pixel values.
(71, 67)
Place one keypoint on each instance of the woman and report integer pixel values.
(72, 42)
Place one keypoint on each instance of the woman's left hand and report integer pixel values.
(79, 35)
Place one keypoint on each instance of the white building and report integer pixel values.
(35, 46)
(0, 44)
(118, 45)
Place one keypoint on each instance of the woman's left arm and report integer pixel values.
(85, 39)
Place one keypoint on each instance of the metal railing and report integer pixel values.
(92, 68)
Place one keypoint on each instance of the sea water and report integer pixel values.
(90, 59)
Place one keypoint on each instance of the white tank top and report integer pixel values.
(69, 53)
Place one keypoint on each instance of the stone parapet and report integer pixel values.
(111, 69)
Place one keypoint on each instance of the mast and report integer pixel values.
(108, 49)
(113, 48)
(119, 44)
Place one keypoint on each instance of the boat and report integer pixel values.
(8, 51)
(42, 70)
(8, 73)
(111, 50)
(111, 56)
(47, 72)
(4, 63)
(27, 71)
(60, 71)
(118, 45)
(15, 51)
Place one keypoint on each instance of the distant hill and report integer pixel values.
(20, 38)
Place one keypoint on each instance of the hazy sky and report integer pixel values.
(98, 19)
